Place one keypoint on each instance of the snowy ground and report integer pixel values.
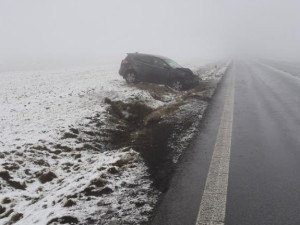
(52, 169)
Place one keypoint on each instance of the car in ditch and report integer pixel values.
(137, 67)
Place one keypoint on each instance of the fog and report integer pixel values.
(104, 31)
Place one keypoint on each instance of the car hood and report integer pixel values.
(187, 70)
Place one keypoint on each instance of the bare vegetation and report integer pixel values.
(110, 167)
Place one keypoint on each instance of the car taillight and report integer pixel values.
(125, 62)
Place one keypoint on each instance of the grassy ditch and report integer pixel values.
(162, 133)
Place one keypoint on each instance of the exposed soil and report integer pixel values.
(155, 133)
(111, 166)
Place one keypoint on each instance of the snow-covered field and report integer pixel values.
(39, 107)
(49, 176)
(41, 104)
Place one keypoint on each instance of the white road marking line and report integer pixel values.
(279, 71)
(213, 203)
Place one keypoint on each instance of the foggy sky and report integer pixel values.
(180, 29)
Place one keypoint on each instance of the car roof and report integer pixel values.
(142, 54)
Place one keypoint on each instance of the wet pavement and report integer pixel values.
(264, 184)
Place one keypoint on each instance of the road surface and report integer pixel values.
(244, 166)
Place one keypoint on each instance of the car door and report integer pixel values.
(160, 71)
(144, 67)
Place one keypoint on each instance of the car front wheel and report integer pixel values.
(177, 85)
(130, 77)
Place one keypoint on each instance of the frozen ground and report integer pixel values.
(53, 169)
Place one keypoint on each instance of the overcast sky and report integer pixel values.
(180, 29)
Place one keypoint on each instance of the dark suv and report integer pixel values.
(157, 69)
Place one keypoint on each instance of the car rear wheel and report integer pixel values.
(130, 77)
(177, 85)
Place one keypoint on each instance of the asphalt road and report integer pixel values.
(292, 68)
(263, 185)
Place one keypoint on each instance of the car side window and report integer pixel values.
(145, 59)
(159, 63)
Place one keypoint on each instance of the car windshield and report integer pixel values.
(172, 63)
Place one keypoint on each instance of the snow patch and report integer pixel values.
(45, 130)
